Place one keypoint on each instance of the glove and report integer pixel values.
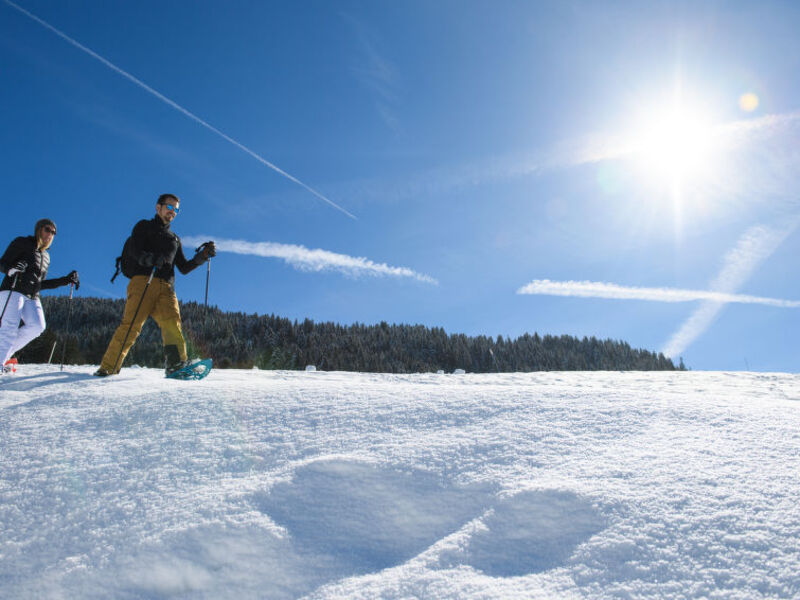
(205, 251)
(210, 249)
(73, 279)
(19, 267)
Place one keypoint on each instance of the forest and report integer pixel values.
(79, 329)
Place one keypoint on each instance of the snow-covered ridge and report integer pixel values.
(275, 484)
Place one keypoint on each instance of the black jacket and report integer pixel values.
(32, 279)
(152, 239)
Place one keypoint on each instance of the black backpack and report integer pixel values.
(126, 262)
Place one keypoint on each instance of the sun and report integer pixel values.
(675, 145)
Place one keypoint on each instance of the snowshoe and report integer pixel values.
(190, 369)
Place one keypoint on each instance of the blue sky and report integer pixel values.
(487, 167)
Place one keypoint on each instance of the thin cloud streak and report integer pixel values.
(595, 149)
(594, 289)
(312, 260)
(753, 248)
(603, 149)
(177, 107)
(375, 72)
(104, 292)
(767, 122)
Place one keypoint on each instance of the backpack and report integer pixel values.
(126, 262)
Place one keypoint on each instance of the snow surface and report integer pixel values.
(276, 484)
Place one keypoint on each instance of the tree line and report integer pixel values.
(238, 340)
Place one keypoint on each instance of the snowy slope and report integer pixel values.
(338, 485)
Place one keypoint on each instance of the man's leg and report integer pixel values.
(167, 314)
(116, 353)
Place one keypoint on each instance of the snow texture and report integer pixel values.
(275, 484)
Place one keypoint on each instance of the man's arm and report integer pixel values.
(187, 266)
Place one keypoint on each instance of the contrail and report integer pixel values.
(753, 248)
(177, 106)
(595, 289)
(306, 259)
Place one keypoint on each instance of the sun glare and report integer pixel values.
(675, 145)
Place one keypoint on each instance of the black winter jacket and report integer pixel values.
(32, 279)
(153, 239)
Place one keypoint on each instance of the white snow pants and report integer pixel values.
(12, 336)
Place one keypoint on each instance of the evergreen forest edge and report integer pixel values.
(244, 341)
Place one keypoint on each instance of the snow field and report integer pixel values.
(255, 484)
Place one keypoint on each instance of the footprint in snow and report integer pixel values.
(347, 518)
(361, 518)
(531, 532)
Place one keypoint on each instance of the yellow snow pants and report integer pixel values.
(161, 303)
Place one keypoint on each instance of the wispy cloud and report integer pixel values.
(375, 72)
(596, 289)
(177, 106)
(605, 147)
(314, 260)
(103, 291)
(765, 169)
(156, 144)
(753, 248)
(767, 124)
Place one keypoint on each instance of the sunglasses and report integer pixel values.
(49, 229)
(171, 207)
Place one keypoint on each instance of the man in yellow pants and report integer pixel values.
(149, 258)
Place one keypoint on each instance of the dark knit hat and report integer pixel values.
(41, 223)
(167, 198)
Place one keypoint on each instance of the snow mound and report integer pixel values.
(277, 485)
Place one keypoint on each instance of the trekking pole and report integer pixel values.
(208, 270)
(133, 320)
(208, 276)
(66, 335)
(13, 285)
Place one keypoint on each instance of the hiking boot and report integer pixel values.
(101, 372)
(170, 369)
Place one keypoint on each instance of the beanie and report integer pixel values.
(41, 223)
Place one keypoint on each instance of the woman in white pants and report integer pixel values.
(25, 265)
